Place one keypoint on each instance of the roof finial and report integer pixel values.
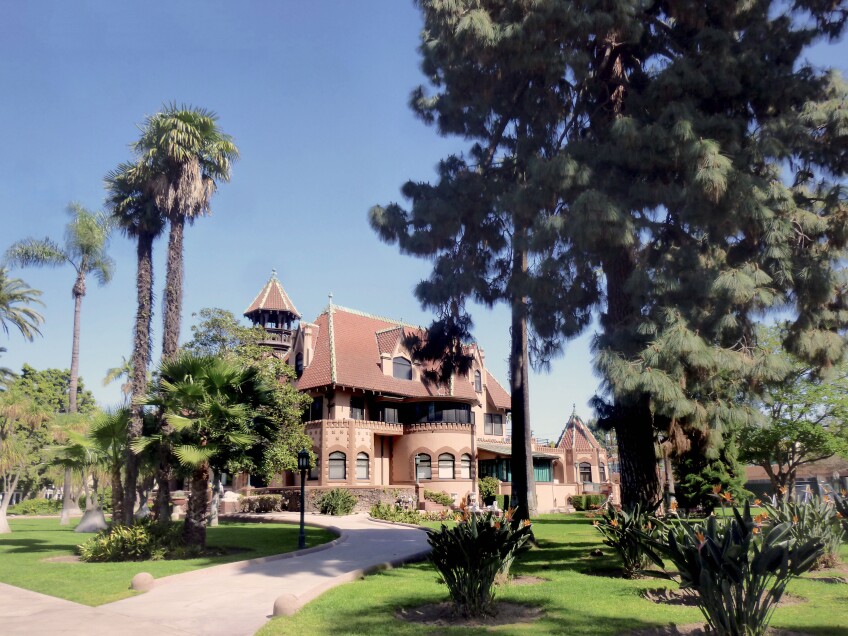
(330, 297)
(273, 274)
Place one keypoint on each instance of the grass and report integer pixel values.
(23, 554)
(577, 597)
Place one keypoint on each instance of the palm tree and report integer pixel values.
(136, 215)
(6, 374)
(122, 372)
(80, 453)
(86, 239)
(181, 155)
(16, 299)
(211, 405)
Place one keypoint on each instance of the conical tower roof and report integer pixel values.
(272, 297)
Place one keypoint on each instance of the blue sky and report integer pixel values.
(315, 95)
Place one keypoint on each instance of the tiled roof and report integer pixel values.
(347, 352)
(272, 296)
(497, 394)
(577, 436)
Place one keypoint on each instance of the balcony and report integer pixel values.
(277, 337)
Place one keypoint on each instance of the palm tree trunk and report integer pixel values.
(79, 292)
(194, 530)
(69, 506)
(117, 497)
(140, 364)
(523, 480)
(4, 506)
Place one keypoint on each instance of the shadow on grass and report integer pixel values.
(35, 545)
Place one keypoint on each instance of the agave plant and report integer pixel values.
(840, 502)
(815, 518)
(626, 532)
(739, 568)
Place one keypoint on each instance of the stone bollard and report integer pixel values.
(286, 605)
(142, 582)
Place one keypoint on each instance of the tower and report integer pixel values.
(273, 310)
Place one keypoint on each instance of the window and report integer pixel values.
(586, 472)
(362, 466)
(390, 414)
(402, 368)
(602, 472)
(357, 408)
(315, 469)
(316, 410)
(338, 465)
(465, 467)
(498, 468)
(478, 382)
(425, 467)
(446, 461)
(493, 424)
(298, 364)
(542, 470)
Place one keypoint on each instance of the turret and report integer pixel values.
(273, 310)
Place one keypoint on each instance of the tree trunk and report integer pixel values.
(143, 490)
(4, 505)
(69, 506)
(523, 480)
(194, 530)
(637, 456)
(140, 364)
(79, 292)
(216, 500)
(117, 497)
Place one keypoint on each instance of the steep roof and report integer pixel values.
(576, 435)
(347, 353)
(497, 394)
(272, 297)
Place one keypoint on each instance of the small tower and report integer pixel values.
(273, 310)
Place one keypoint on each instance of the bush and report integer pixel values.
(36, 507)
(625, 531)
(587, 502)
(393, 512)
(337, 501)
(739, 568)
(436, 496)
(813, 519)
(470, 555)
(504, 502)
(145, 540)
(488, 487)
(261, 503)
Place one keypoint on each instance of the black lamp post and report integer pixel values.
(303, 466)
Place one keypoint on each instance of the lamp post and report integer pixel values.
(303, 466)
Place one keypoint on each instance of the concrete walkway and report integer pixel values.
(232, 599)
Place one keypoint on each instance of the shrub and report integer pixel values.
(145, 540)
(436, 496)
(739, 568)
(488, 487)
(261, 503)
(470, 555)
(841, 505)
(393, 512)
(578, 502)
(813, 519)
(593, 502)
(337, 501)
(36, 507)
(624, 531)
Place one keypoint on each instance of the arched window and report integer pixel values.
(478, 382)
(362, 466)
(298, 364)
(338, 465)
(425, 466)
(585, 472)
(602, 472)
(465, 467)
(446, 462)
(402, 369)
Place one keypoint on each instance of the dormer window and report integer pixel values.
(402, 368)
(298, 364)
(478, 382)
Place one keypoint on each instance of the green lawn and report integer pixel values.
(23, 554)
(574, 600)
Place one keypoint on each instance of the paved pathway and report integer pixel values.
(231, 599)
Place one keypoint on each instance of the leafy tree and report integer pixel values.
(213, 407)
(135, 213)
(182, 154)
(22, 436)
(86, 240)
(16, 300)
(50, 389)
(806, 418)
(700, 471)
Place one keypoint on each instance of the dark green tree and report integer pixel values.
(700, 471)
(49, 389)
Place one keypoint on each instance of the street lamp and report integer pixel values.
(303, 466)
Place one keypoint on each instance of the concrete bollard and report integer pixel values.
(142, 582)
(286, 605)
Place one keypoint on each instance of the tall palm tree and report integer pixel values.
(86, 240)
(135, 213)
(16, 298)
(108, 433)
(182, 154)
(122, 372)
(212, 405)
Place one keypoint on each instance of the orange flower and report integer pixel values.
(497, 525)
(794, 518)
(701, 539)
(782, 490)
(756, 531)
(760, 517)
(838, 515)
(727, 496)
(594, 523)
(717, 488)
(673, 505)
(614, 523)
(757, 502)
(527, 522)
(509, 513)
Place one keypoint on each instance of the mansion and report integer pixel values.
(376, 420)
